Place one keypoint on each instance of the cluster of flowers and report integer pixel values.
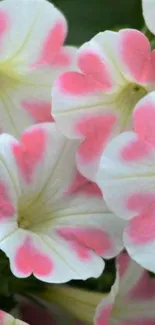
(59, 156)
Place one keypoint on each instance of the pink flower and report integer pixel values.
(6, 319)
(53, 222)
(94, 103)
(127, 177)
(132, 297)
(31, 57)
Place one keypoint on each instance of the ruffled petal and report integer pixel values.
(125, 175)
(46, 257)
(136, 64)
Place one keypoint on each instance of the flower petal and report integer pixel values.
(27, 101)
(97, 130)
(148, 13)
(134, 303)
(144, 117)
(46, 258)
(130, 274)
(38, 169)
(81, 106)
(125, 175)
(93, 60)
(104, 311)
(84, 117)
(140, 246)
(131, 300)
(86, 220)
(76, 92)
(9, 187)
(135, 60)
(33, 41)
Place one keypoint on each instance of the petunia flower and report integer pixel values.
(127, 175)
(31, 57)
(94, 103)
(148, 13)
(6, 319)
(53, 222)
(132, 297)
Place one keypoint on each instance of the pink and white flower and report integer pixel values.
(148, 13)
(53, 222)
(127, 177)
(94, 103)
(6, 319)
(31, 57)
(132, 298)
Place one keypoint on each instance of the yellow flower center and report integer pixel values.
(127, 100)
(27, 215)
(23, 222)
(34, 215)
(9, 77)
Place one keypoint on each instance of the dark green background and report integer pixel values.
(88, 17)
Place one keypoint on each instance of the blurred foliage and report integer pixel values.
(88, 17)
